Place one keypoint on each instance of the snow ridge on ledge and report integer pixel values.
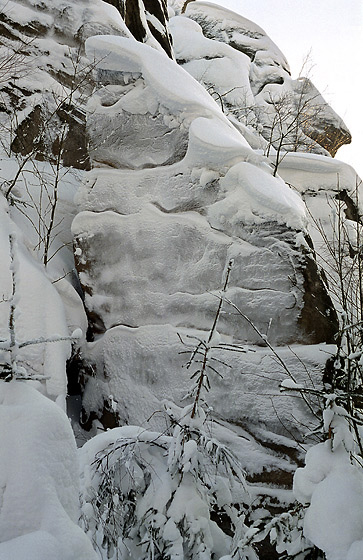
(213, 140)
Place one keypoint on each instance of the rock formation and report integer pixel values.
(146, 20)
(160, 219)
(181, 155)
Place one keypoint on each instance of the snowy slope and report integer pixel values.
(39, 483)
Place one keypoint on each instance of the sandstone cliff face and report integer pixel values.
(173, 184)
(175, 193)
(181, 199)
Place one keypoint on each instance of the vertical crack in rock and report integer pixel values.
(145, 17)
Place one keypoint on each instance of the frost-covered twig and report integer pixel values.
(200, 353)
(269, 345)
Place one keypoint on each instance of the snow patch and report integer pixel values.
(39, 506)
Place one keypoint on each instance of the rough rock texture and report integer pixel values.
(145, 19)
(155, 234)
(268, 77)
(43, 109)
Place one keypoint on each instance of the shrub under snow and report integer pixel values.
(150, 495)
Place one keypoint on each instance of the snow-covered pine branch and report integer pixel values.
(153, 495)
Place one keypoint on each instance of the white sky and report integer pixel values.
(333, 31)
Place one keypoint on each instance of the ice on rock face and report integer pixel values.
(103, 189)
(142, 379)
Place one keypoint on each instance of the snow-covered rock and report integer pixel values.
(155, 234)
(251, 93)
(43, 109)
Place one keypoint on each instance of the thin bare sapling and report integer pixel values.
(10, 368)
